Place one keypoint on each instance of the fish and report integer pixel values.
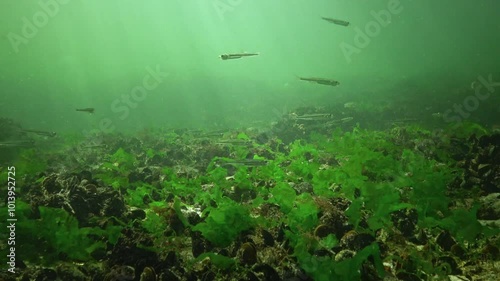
(17, 143)
(217, 133)
(237, 56)
(243, 162)
(401, 121)
(335, 21)
(91, 146)
(332, 123)
(41, 133)
(88, 109)
(321, 81)
(312, 117)
(346, 119)
(233, 142)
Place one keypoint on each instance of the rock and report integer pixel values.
(69, 271)
(355, 241)
(490, 207)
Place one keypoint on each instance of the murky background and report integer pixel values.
(421, 56)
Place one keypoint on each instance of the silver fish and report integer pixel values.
(321, 81)
(336, 21)
(237, 56)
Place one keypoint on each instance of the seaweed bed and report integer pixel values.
(300, 201)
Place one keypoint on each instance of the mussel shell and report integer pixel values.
(148, 274)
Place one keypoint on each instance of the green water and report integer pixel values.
(341, 177)
(56, 56)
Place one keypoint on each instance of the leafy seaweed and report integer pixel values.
(284, 196)
(223, 224)
(57, 232)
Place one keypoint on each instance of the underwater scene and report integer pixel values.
(249, 140)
